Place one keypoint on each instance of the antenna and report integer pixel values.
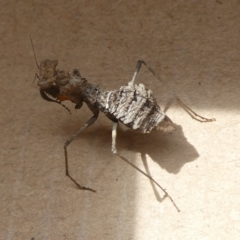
(33, 51)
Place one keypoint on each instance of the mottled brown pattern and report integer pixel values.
(132, 104)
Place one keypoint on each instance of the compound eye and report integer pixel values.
(53, 91)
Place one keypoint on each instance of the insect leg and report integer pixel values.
(114, 136)
(87, 124)
(45, 97)
(193, 114)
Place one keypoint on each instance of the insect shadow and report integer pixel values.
(170, 151)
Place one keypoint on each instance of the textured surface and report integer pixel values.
(131, 104)
(135, 107)
(194, 46)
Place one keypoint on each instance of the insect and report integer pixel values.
(132, 104)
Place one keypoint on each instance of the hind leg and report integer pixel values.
(193, 114)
